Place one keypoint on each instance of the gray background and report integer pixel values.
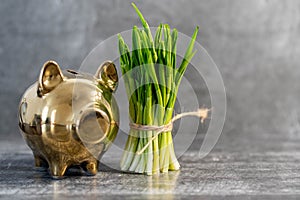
(255, 44)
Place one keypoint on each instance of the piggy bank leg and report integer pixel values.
(40, 162)
(91, 166)
(58, 169)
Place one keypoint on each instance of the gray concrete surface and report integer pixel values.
(256, 46)
(220, 175)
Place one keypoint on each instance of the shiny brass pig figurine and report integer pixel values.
(70, 119)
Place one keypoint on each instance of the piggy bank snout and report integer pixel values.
(93, 125)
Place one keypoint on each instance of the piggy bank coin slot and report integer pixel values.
(72, 71)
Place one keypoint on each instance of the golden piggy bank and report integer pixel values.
(70, 119)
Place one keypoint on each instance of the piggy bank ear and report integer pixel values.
(107, 75)
(50, 77)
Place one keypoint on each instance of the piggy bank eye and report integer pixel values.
(93, 126)
(23, 110)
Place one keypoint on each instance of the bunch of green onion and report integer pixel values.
(151, 79)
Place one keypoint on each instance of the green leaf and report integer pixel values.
(158, 37)
(144, 22)
(174, 48)
(188, 55)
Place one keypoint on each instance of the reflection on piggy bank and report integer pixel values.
(70, 119)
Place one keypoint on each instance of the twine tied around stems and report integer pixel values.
(202, 113)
